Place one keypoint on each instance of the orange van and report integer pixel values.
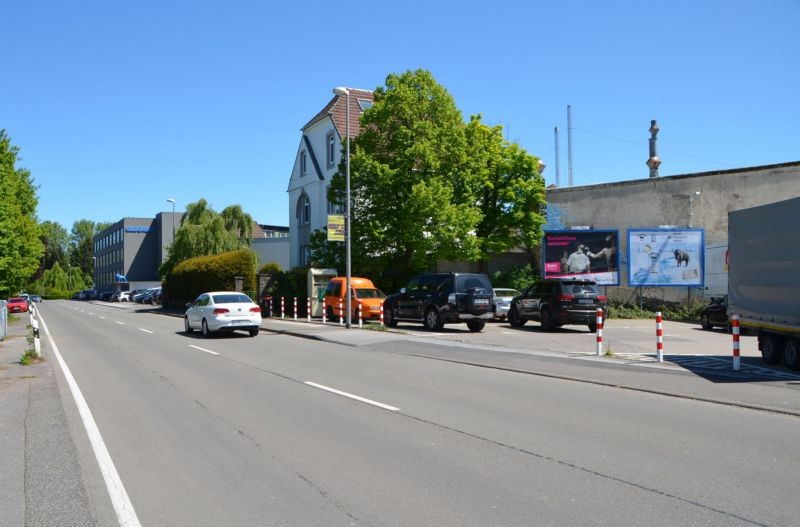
(363, 290)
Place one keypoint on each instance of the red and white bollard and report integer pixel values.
(381, 314)
(599, 331)
(308, 309)
(271, 306)
(735, 330)
(341, 313)
(283, 310)
(659, 337)
(324, 314)
(359, 314)
(295, 309)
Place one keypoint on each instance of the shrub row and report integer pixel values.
(218, 272)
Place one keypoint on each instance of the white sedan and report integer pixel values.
(222, 311)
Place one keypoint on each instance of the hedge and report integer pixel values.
(201, 274)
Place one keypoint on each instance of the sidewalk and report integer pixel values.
(753, 387)
(40, 475)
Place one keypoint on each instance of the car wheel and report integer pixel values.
(253, 332)
(206, 331)
(476, 325)
(791, 354)
(548, 324)
(388, 316)
(433, 320)
(771, 350)
(186, 327)
(705, 322)
(514, 319)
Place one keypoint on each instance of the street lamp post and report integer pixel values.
(172, 200)
(346, 93)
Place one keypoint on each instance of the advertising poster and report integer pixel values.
(590, 254)
(665, 257)
(336, 228)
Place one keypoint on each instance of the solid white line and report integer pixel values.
(145, 330)
(120, 323)
(116, 490)
(351, 396)
(202, 349)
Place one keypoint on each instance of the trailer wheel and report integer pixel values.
(792, 354)
(772, 349)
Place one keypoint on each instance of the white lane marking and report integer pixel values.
(120, 323)
(351, 396)
(203, 349)
(102, 317)
(146, 330)
(116, 490)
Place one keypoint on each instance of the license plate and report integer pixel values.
(585, 301)
(481, 302)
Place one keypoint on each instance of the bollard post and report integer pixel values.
(324, 315)
(341, 313)
(283, 310)
(599, 331)
(659, 337)
(735, 330)
(271, 306)
(308, 308)
(359, 314)
(295, 309)
(381, 314)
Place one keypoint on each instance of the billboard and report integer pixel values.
(590, 254)
(665, 257)
(336, 228)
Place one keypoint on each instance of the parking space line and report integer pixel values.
(203, 349)
(351, 396)
(120, 323)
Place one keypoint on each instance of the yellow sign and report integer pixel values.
(335, 227)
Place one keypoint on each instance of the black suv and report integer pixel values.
(557, 302)
(437, 299)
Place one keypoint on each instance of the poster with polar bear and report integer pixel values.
(665, 257)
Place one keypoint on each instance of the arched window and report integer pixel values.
(303, 213)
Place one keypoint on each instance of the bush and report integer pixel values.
(197, 275)
(675, 312)
(519, 278)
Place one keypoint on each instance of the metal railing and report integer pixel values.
(3, 319)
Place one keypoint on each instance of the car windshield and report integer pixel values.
(370, 293)
(580, 288)
(232, 298)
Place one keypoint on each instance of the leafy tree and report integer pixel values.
(203, 231)
(56, 241)
(81, 247)
(426, 186)
(20, 246)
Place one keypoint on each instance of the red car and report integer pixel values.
(17, 305)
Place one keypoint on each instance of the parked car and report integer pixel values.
(89, 294)
(555, 303)
(715, 314)
(362, 289)
(17, 304)
(502, 301)
(36, 298)
(105, 296)
(437, 299)
(140, 296)
(222, 311)
(121, 296)
(151, 296)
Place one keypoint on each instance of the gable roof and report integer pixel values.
(336, 109)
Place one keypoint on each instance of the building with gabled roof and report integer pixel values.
(316, 161)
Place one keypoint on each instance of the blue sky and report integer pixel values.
(117, 106)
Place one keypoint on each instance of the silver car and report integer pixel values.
(502, 301)
(222, 311)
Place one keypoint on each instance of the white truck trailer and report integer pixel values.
(764, 277)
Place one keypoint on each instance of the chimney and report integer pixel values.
(654, 161)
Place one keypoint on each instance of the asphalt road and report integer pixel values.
(246, 431)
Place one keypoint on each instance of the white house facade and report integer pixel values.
(316, 161)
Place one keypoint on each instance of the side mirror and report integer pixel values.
(188, 305)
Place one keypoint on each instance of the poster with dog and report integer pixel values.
(666, 257)
(582, 253)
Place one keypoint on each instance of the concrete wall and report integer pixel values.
(653, 202)
(272, 250)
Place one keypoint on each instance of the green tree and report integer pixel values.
(426, 186)
(81, 247)
(56, 241)
(21, 248)
(203, 231)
